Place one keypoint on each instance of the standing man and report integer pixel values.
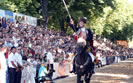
(12, 63)
(50, 64)
(20, 65)
(3, 66)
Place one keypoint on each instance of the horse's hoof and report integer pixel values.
(93, 72)
(72, 71)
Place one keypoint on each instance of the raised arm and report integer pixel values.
(72, 25)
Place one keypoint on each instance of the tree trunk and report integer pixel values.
(44, 5)
(62, 24)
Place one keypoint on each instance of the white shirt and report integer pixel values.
(50, 58)
(15, 41)
(12, 57)
(19, 58)
(3, 61)
(44, 51)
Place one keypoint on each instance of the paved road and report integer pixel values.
(117, 73)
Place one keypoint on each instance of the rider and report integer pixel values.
(87, 34)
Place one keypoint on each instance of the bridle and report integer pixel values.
(82, 66)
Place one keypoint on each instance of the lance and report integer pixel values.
(68, 14)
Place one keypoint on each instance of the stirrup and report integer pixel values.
(72, 71)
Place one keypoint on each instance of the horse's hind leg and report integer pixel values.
(87, 81)
(87, 78)
(79, 79)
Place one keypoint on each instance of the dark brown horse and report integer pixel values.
(82, 63)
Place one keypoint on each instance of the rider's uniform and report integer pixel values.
(88, 36)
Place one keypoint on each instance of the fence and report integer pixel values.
(18, 17)
(117, 59)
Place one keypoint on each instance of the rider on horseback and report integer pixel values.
(85, 33)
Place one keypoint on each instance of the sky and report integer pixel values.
(130, 1)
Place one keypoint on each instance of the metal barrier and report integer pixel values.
(117, 59)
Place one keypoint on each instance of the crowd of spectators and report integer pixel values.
(107, 48)
(36, 41)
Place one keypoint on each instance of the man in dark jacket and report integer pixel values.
(87, 34)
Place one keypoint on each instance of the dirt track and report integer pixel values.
(116, 73)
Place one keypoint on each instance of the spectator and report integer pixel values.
(50, 64)
(3, 65)
(4, 23)
(20, 66)
(13, 68)
(42, 72)
(0, 22)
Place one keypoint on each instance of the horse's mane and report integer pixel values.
(82, 55)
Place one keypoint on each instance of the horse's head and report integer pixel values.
(81, 43)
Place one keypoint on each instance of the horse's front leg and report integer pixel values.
(87, 78)
(79, 79)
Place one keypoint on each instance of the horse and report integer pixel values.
(82, 62)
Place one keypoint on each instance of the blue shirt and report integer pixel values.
(4, 25)
(42, 71)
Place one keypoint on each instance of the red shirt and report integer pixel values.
(32, 52)
(6, 55)
(94, 51)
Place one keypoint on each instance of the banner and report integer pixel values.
(31, 20)
(19, 17)
(2, 13)
(13, 17)
(122, 43)
(9, 15)
(25, 19)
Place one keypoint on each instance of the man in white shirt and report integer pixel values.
(3, 65)
(50, 64)
(20, 65)
(12, 63)
(50, 58)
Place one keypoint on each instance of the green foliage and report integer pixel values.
(119, 22)
(6, 5)
(28, 7)
(108, 18)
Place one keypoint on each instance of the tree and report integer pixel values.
(108, 18)
(44, 6)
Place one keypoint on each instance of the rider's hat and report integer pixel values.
(83, 19)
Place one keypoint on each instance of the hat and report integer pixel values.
(83, 19)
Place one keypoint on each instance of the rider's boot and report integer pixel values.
(93, 66)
